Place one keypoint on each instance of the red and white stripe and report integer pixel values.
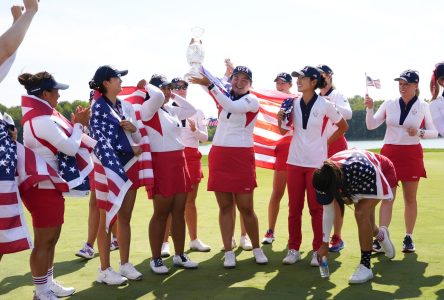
(136, 97)
(266, 132)
(14, 234)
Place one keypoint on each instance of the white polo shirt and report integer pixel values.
(396, 134)
(342, 105)
(236, 120)
(163, 121)
(308, 147)
(192, 138)
(437, 111)
(6, 66)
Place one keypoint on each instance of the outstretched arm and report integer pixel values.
(13, 37)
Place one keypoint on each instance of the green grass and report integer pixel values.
(418, 275)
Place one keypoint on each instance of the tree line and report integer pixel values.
(357, 128)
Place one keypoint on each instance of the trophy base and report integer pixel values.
(189, 75)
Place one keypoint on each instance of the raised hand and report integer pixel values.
(202, 81)
(368, 102)
(81, 115)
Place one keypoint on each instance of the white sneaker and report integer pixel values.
(111, 277)
(198, 245)
(86, 252)
(127, 270)
(245, 243)
(158, 267)
(45, 295)
(229, 260)
(314, 259)
(184, 261)
(59, 290)
(292, 257)
(233, 244)
(114, 244)
(386, 243)
(362, 274)
(165, 251)
(260, 257)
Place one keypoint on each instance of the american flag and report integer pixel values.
(363, 174)
(74, 170)
(14, 234)
(373, 82)
(266, 133)
(111, 182)
(136, 97)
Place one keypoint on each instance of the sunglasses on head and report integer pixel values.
(180, 87)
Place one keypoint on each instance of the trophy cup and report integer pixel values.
(195, 53)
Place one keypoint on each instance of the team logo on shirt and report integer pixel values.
(414, 111)
(248, 100)
(315, 113)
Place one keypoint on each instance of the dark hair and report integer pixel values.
(94, 86)
(321, 82)
(329, 179)
(32, 81)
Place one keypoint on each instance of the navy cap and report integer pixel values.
(439, 70)
(48, 83)
(411, 76)
(283, 76)
(323, 198)
(106, 72)
(325, 69)
(160, 81)
(176, 80)
(242, 69)
(308, 71)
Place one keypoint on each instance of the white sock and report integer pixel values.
(50, 275)
(40, 283)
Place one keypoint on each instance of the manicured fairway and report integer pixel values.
(418, 275)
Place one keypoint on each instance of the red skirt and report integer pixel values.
(46, 206)
(133, 174)
(339, 145)
(171, 175)
(231, 170)
(407, 159)
(281, 152)
(192, 157)
(388, 169)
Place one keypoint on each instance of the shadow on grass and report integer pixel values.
(406, 274)
(9, 284)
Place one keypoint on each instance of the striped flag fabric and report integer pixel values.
(14, 234)
(363, 174)
(110, 180)
(136, 97)
(266, 133)
(373, 82)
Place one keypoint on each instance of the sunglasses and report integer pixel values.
(180, 87)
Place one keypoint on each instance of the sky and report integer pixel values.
(71, 39)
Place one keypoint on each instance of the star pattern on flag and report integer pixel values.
(8, 154)
(360, 175)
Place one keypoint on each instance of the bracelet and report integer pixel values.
(211, 86)
(421, 133)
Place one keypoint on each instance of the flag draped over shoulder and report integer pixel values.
(73, 169)
(266, 133)
(110, 180)
(363, 173)
(136, 97)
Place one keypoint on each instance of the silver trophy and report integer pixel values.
(195, 53)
